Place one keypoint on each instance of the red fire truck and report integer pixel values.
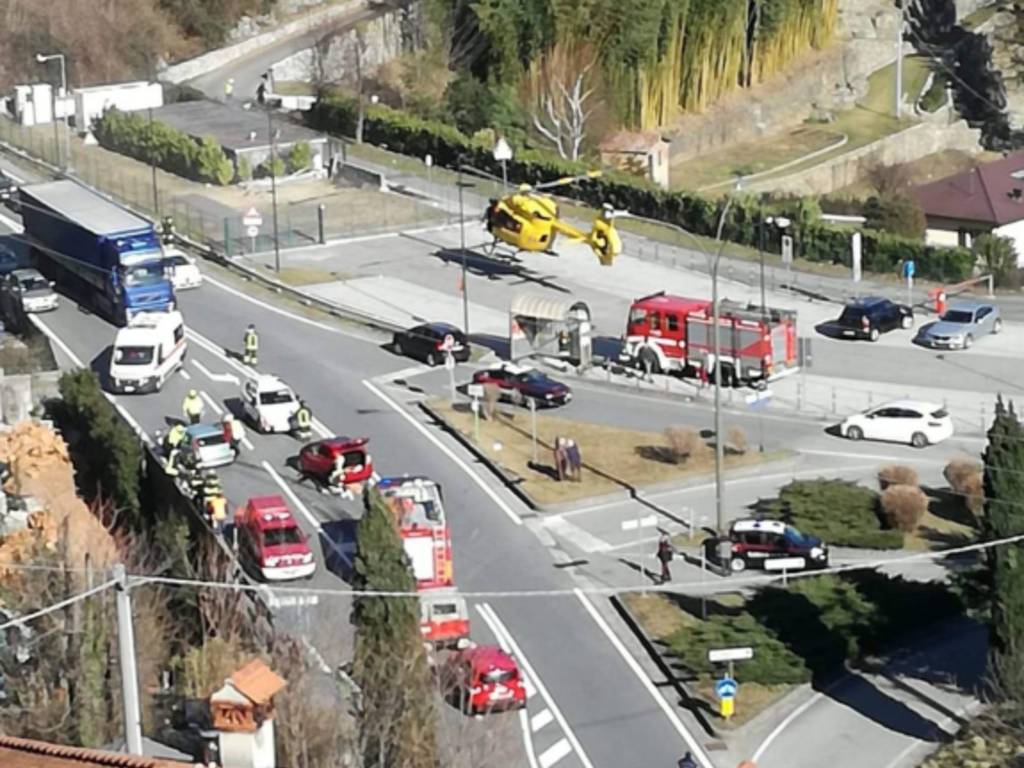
(666, 333)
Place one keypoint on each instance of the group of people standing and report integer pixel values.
(568, 460)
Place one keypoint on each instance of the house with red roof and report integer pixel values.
(985, 199)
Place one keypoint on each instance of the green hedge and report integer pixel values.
(815, 241)
(838, 512)
(133, 135)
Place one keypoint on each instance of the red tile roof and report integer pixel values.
(257, 682)
(988, 194)
(28, 753)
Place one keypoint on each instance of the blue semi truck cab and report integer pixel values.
(110, 256)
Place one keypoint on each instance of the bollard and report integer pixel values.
(320, 210)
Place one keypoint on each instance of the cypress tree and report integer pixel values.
(398, 715)
(1004, 517)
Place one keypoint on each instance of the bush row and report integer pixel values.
(815, 241)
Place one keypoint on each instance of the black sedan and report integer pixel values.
(521, 385)
(427, 343)
(872, 316)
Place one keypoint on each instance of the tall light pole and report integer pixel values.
(899, 58)
(152, 165)
(273, 186)
(462, 247)
(42, 58)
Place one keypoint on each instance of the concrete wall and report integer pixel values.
(1015, 232)
(914, 143)
(186, 70)
(944, 237)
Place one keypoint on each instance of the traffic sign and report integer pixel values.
(252, 218)
(784, 563)
(449, 343)
(252, 231)
(726, 688)
(909, 268)
(743, 653)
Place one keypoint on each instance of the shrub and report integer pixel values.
(966, 478)
(736, 439)
(212, 165)
(904, 506)
(897, 475)
(271, 167)
(896, 213)
(815, 241)
(685, 443)
(300, 157)
(841, 513)
(244, 168)
(999, 256)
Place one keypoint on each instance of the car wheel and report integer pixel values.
(737, 565)
(997, 326)
(919, 440)
(854, 433)
(431, 359)
(649, 361)
(873, 335)
(907, 321)
(968, 340)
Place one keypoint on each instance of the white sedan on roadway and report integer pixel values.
(183, 270)
(269, 403)
(901, 421)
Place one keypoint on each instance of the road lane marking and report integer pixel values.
(499, 502)
(554, 753)
(507, 641)
(541, 719)
(642, 522)
(50, 334)
(645, 681)
(14, 226)
(785, 724)
(219, 352)
(580, 537)
(227, 378)
(212, 403)
(185, 375)
(271, 307)
(321, 429)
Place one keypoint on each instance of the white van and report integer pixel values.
(147, 351)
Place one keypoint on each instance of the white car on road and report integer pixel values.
(914, 422)
(182, 270)
(269, 403)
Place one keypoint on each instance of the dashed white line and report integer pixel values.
(541, 719)
(227, 378)
(498, 501)
(554, 753)
(506, 640)
(185, 375)
(212, 403)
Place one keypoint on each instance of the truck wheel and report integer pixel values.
(649, 361)
(737, 565)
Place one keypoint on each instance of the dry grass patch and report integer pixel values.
(657, 614)
(613, 458)
(307, 276)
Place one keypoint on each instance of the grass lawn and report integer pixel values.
(307, 276)
(293, 88)
(614, 459)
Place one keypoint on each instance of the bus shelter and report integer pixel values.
(550, 327)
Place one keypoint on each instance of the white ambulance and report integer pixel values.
(147, 351)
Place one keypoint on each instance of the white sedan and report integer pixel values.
(269, 404)
(183, 270)
(902, 421)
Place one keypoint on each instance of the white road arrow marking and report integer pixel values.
(227, 378)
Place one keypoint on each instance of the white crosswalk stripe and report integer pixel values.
(541, 719)
(554, 753)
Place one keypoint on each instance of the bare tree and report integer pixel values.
(320, 74)
(560, 87)
(359, 46)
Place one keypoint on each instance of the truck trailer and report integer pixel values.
(110, 257)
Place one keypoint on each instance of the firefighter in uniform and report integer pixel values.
(192, 407)
(302, 422)
(173, 438)
(171, 461)
(217, 510)
(251, 346)
(337, 476)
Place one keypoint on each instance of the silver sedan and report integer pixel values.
(961, 325)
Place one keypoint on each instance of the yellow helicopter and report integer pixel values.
(529, 221)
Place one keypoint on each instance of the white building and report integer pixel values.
(126, 97)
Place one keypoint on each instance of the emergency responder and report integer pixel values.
(195, 482)
(229, 88)
(192, 407)
(171, 461)
(209, 486)
(234, 433)
(173, 438)
(251, 346)
(687, 761)
(216, 510)
(302, 422)
(337, 476)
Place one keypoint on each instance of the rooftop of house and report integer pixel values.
(29, 753)
(991, 194)
(257, 682)
(231, 125)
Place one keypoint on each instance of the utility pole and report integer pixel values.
(899, 60)
(129, 673)
(273, 188)
(152, 166)
(462, 246)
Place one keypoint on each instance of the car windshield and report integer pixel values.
(942, 413)
(133, 355)
(144, 274)
(957, 316)
(533, 377)
(211, 440)
(499, 676)
(275, 537)
(851, 316)
(445, 609)
(276, 397)
(34, 284)
(176, 261)
(793, 536)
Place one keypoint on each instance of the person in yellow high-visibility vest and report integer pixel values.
(302, 422)
(192, 407)
(250, 346)
(217, 510)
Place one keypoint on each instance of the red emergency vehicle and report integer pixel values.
(666, 333)
(483, 678)
(444, 619)
(271, 540)
(419, 515)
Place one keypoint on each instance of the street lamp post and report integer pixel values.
(152, 166)
(462, 248)
(273, 187)
(43, 58)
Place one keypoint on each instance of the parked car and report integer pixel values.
(271, 541)
(269, 403)
(204, 447)
(183, 270)
(425, 342)
(483, 678)
(317, 460)
(961, 325)
(870, 317)
(521, 384)
(33, 291)
(901, 421)
(755, 542)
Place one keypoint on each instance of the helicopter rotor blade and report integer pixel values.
(482, 174)
(568, 180)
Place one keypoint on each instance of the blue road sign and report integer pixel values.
(726, 688)
(909, 268)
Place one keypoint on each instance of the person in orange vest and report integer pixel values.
(940, 303)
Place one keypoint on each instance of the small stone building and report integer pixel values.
(646, 154)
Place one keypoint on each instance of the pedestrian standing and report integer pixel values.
(574, 460)
(560, 458)
(229, 89)
(234, 433)
(251, 346)
(192, 407)
(665, 556)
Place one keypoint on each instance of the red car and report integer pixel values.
(484, 678)
(521, 384)
(319, 460)
(271, 540)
